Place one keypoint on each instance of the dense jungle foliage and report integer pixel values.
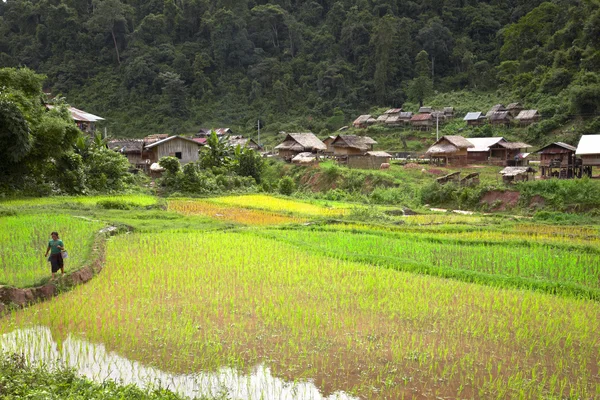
(176, 65)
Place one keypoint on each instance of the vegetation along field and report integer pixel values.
(207, 297)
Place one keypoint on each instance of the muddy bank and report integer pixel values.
(498, 200)
(11, 297)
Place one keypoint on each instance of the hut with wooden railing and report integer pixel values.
(589, 151)
(558, 160)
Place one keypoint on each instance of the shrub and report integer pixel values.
(286, 186)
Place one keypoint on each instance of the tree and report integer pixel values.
(248, 163)
(215, 153)
(107, 14)
(383, 41)
(422, 86)
(174, 93)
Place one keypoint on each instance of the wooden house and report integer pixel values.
(475, 119)
(514, 109)
(132, 149)
(85, 121)
(449, 150)
(510, 154)
(186, 150)
(362, 121)
(448, 113)
(422, 122)
(500, 118)
(528, 117)
(352, 145)
(589, 151)
(296, 143)
(370, 160)
(382, 118)
(328, 141)
(234, 141)
(221, 132)
(558, 160)
(495, 109)
(480, 152)
(400, 119)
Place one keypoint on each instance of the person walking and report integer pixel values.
(55, 246)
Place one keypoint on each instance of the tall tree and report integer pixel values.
(107, 15)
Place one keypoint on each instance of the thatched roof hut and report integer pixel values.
(345, 145)
(527, 117)
(295, 143)
(361, 121)
(450, 150)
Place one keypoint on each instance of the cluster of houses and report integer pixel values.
(557, 160)
(351, 150)
(427, 118)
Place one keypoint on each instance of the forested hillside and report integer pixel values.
(176, 65)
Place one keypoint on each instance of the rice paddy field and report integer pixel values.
(440, 306)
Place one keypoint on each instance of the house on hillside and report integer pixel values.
(509, 154)
(449, 150)
(500, 118)
(400, 119)
(369, 160)
(495, 109)
(422, 122)
(448, 113)
(362, 121)
(296, 143)
(234, 141)
(589, 151)
(528, 117)
(205, 132)
(85, 121)
(133, 149)
(514, 109)
(480, 152)
(155, 138)
(475, 119)
(425, 110)
(328, 141)
(351, 145)
(184, 149)
(558, 160)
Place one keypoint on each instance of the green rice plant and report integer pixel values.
(271, 203)
(24, 240)
(137, 199)
(188, 302)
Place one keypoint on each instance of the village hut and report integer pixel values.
(448, 113)
(305, 158)
(132, 149)
(494, 109)
(361, 121)
(155, 138)
(500, 118)
(235, 141)
(422, 122)
(589, 151)
(328, 141)
(85, 121)
(221, 132)
(517, 174)
(514, 109)
(528, 117)
(296, 143)
(511, 154)
(182, 148)
(369, 160)
(558, 160)
(400, 119)
(425, 110)
(350, 145)
(480, 152)
(382, 118)
(475, 119)
(450, 150)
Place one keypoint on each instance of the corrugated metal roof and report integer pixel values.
(425, 109)
(472, 116)
(169, 139)
(79, 115)
(514, 171)
(588, 144)
(483, 144)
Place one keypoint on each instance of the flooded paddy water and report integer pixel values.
(95, 362)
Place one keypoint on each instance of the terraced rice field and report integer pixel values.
(497, 309)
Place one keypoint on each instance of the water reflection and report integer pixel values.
(96, 363)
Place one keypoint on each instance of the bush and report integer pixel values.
(286, 186)
(115, 205)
